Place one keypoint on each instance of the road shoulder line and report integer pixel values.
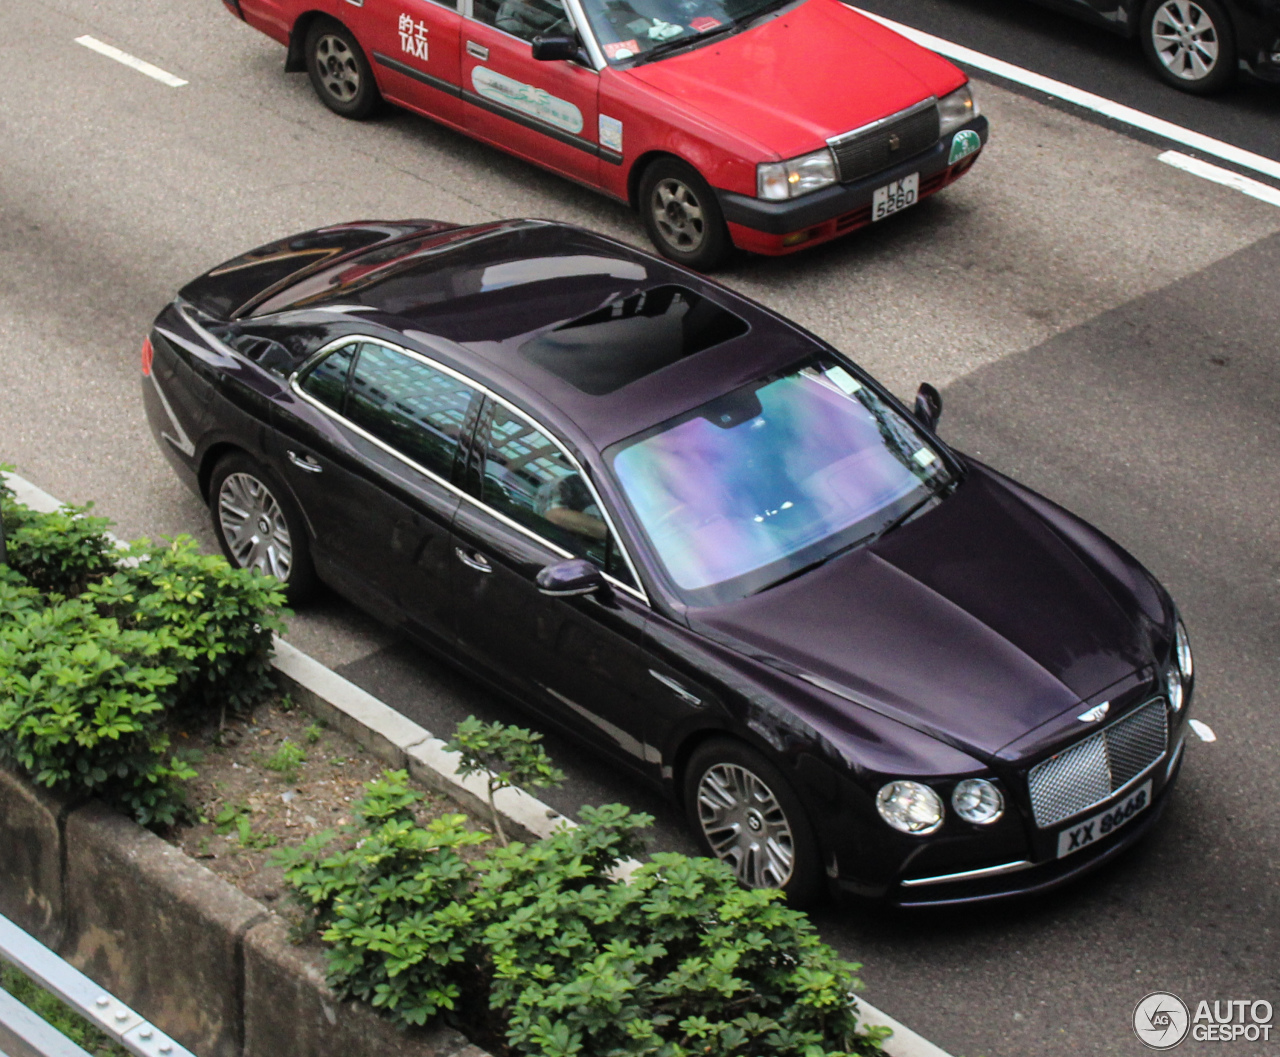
(132, 61)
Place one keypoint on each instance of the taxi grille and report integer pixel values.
(868, 150)
(1091, 770)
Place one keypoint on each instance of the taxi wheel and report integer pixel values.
(1191, 43)
(340, 74)
(258, 527)
(682, 215)
(744, 812)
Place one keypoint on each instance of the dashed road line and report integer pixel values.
(1207, 171)
(154, 72)
(1086, 100)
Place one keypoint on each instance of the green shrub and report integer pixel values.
(59, 553)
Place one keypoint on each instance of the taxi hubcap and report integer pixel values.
(746, 826)
(1186, 39)
(337, 67)
(678, 215)
(254, 527)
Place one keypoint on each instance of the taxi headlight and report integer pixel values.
(977, 800)
(1182, 650)
(778, 181)
(1173, 684)
(956, 109)
(911, 807)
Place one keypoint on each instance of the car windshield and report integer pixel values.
(759, 485)
(627, 29)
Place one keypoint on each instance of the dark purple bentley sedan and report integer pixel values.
(693, 535)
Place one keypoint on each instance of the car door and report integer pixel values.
(545, 111)
(415, 46)
(368, 445)
(579, 660)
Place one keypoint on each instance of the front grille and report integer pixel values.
(868, 150)
(1091, 770)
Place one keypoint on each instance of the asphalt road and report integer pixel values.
(1103, 327)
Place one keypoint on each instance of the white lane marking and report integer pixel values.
(1202, 730)
(163, 76)
(1087, 100)
(1219, 175)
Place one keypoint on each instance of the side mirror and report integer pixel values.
(549, 49)
(575, 576)
(928, 407)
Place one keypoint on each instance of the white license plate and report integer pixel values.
(1082, 834)
(893, 197)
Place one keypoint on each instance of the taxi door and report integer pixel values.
(414, 45)
(541, 110)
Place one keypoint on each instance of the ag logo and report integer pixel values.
(1161, 1021)
(963, 143)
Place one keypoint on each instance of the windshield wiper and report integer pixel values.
(814, 564)
(898, 519)
(666, 47)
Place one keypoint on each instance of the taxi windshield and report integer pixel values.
(640, 29)
(770, 480)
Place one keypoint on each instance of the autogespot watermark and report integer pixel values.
(1162, 1020)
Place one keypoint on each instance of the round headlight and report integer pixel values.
(977, 800)
(1173, 682)
(910, 806)
(1182, 648)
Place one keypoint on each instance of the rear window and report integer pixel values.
(632, 336)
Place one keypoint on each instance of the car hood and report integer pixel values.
(975, 622)
(867, 72)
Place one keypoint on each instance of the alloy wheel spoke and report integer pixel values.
(745, 826)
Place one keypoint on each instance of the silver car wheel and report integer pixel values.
(746, 826)
(1185, 39)
(254, 527)
(678, 215)
(336, 66)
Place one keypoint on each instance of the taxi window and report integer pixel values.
(525, 19)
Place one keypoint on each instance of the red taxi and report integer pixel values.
(770, 125)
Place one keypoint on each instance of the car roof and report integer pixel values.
(615, 339)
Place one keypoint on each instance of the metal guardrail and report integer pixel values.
(24, 1034)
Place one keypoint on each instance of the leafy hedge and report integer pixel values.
(101, 646)
(677, 961)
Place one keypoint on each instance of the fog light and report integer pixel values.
(1174, 683)
(977, 800)
(911, 807)
(796, 237)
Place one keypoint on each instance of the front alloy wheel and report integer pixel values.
(1190, 43)
(682, 215)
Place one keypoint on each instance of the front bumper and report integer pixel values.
(783, 227)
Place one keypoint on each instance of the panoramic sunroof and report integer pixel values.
(631, 337)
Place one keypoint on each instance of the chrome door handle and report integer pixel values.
(478, 562)
(477, 50)
(304, 462)
(676, 688)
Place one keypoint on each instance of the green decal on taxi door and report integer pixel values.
(527, 99)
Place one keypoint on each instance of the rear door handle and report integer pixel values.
(476, 561)
(305, 462)
(477, 50)
(676, 688)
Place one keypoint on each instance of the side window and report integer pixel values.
(327, 380)
(415, 408)
(530, 480)
(525, 19)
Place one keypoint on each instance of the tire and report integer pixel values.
(339, 71)
(734, 798)
(1191, 44)
(258, 527)
(681, 215)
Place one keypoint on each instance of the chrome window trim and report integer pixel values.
(578, 18)
(356, 339)
(968, 875)
(862, 130)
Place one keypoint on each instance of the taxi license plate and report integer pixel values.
(896, 196)
(1082, 834)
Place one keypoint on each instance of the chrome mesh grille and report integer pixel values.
(862, 153)
(1091, 770)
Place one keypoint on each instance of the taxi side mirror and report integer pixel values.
(928, 408)
(550, 49)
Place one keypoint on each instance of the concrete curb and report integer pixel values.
(404, 744)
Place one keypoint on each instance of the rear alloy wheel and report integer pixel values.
(745, 813)
(257, 528)
(340, 74)
(1191, 43)
(682, 215)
